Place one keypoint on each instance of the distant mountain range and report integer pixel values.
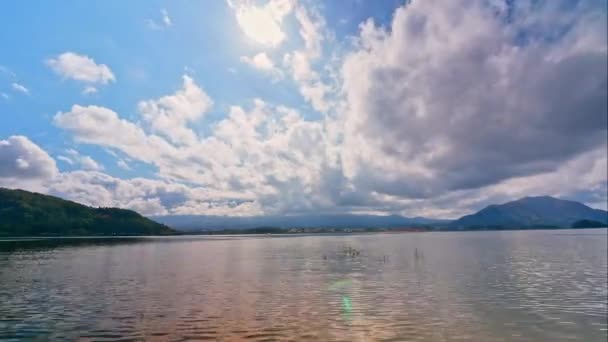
(204, 222)
(528, 212)
(24, 213)
(541, 211)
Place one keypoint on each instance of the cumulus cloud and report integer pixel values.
(102, 126)
(146, 196)
(259, 154)
(493, 103)
(21, 161)
(81, 68)
(23, 164)
(170, 114)
(472, 104)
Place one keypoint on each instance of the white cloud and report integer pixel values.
(164, 23)
(170, 114)
(471, 105)
(85, 162)
(65, 159)
(110, 152)
(23, 163)
(311, 86)
(121, 163)
(257, 154)
(81, 68)
(262, 23)
(473, 115)
(102, 126)
(315, 93)
(259, 61)
(179, 157)
(89, 163)
(5, 96)
(311, 30)
(89, 90)
(300, 65)
(146, 196)
(262, 62)
(166, 19)
(583, 175)
(20, 88)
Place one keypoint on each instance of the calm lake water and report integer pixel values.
(480, 286)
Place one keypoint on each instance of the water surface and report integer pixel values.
(482, 286)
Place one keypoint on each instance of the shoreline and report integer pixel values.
(278, 234)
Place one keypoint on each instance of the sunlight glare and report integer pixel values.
(263, 24)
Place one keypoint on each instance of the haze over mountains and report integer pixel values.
(203, 222)
(24, 213)
(528, 212)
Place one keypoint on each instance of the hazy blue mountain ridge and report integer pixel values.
(24, 213)
(205, 222)
(540, 211)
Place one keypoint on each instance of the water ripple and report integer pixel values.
(487, 286)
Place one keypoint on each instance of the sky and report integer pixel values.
(282, 107)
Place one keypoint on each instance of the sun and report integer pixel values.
(263, 23)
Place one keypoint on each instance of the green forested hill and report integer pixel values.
(24, 213)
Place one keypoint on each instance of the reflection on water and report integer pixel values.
(482, 286)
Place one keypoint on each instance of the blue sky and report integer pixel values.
(285, 106)
(203, 40)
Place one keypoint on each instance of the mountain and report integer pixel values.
(24, 213)
(542, 211)
(202, 223)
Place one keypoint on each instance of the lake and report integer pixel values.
(484, 286)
